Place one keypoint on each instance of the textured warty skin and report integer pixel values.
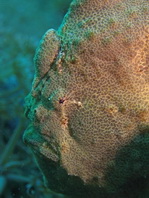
(90, 94)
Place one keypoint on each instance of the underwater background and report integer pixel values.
(22, 24)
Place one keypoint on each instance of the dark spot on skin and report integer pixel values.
(61, 101)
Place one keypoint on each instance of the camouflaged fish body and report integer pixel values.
(90, 94)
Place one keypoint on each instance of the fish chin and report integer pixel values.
(39, 144)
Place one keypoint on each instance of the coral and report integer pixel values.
(90, 93)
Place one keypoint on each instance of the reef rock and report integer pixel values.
(90, 95)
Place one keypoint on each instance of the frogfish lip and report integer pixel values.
(38, 144)
(32, 137)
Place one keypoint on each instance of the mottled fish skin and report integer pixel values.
(90, 94)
